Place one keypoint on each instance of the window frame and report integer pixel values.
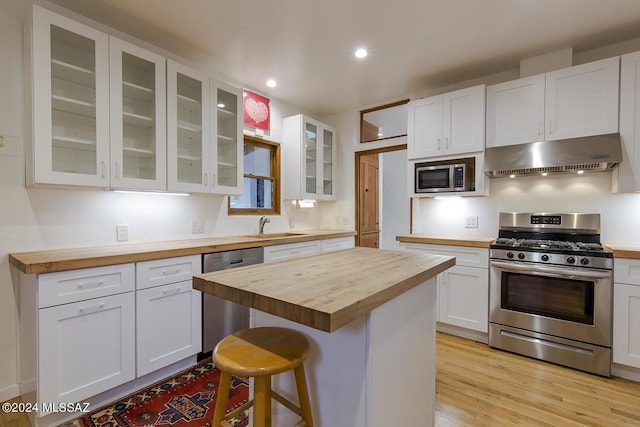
(274, 148)
(361, 138)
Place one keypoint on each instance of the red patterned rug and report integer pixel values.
(186, 399)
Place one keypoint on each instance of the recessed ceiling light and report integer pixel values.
(271, 83)
(361, 52)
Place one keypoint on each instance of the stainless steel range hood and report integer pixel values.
(588, 154)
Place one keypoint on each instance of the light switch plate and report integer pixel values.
(197, 227)
(122, 232)
(471, 221)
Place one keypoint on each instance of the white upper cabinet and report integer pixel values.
(567, 103)
(138, 117)
(70, 102)
(583, 100)
(309, 156)
(188, 147)
(515, 111)
(452, 123)
(626, 177)
(227, 138)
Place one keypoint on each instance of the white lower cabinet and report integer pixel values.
(626, 312)
(463, 290)
(85, 344)
(168, 312)
(312, 247)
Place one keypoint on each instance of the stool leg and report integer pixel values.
(221, 401)
(262, 401)
(303, 395)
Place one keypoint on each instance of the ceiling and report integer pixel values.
(414, 45)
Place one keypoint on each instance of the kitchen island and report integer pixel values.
(369, 315)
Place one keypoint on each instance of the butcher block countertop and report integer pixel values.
(74, 258)
(328, 290)
(452, 241)
(624, 251)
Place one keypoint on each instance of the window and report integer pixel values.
(383, 122)
(261, 187)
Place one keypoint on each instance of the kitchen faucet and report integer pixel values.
(263, 220)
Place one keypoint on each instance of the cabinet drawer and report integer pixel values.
(76, 285)
(168, 270)
(626, 270)
(337, 244)
(291, 250)
(465, 256)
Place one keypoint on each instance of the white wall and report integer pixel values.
(40, 219)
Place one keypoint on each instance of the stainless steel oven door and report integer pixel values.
(569, 302)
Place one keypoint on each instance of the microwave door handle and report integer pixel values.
(545, 270)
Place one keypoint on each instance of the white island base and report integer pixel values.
(376, 371)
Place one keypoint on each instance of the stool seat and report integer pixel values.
(261, 353)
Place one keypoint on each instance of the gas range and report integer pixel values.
(558, 239)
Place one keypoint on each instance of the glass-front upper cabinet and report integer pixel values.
(70, 102)
(309, 152)
(138, 117)
(226, 131)
(188, 137)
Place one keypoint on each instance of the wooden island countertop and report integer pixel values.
(328, 290)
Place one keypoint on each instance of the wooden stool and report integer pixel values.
(261, 353)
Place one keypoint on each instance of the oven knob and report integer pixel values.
(545, 257)
(584, 261)
(520, 255)
(509, 255)
(571, 260)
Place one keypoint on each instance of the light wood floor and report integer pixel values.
(480, 386)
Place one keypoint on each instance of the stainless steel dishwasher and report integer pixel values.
(221, 317)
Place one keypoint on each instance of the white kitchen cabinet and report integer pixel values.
(168, 312)
(309, 153)
(188, 137)
(515, 111)
(226, 130)
(582, 100)
(85, 344)
(337, 244)
(291, 250)
(572, 102)
(626, 177)
(70, 102)
(138, 117)
(447, 124)
(626, 312)
(463, 290)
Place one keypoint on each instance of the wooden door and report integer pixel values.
(369, 226)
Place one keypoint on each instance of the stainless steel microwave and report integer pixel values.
(443, 178)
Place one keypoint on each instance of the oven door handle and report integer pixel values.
(546, 270)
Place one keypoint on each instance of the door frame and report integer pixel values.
(357, 182)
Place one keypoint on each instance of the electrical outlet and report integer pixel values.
(9, 146)
(197, 227)
(471, 222)
(122, 232)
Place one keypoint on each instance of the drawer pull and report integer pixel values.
(92, 308)
(90, 285)
(168, 272)
(171, 291)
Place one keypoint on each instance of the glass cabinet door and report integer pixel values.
(188, 129)
(327, 162)
(71, 102)
(310, 158)
(227, 130)
(138, 111)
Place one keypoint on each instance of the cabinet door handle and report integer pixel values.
(90, 285)
(540, 128)
(446, 143)
(206, 180)
(171, 291)
(117, 169)
(213, 180)
(102, 168)
(439, 144)
(174, 271)
(92, 308)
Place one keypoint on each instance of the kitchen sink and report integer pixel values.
(274, 235)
